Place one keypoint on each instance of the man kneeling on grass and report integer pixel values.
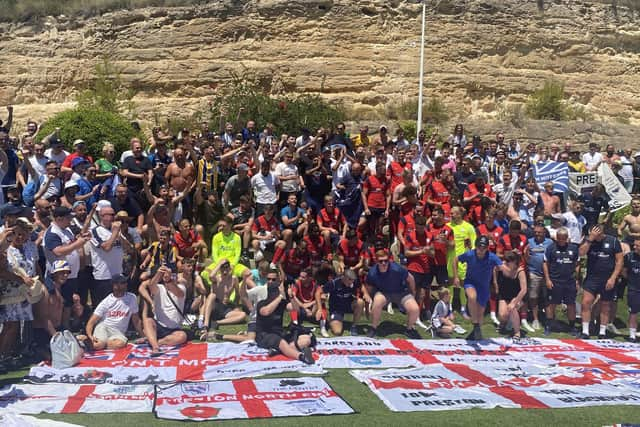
(107, 326)
(269, 331)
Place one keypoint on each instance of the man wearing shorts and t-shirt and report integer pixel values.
(480, 264)
(604, 264)
(392, 283)
(343, 298)
(561, 268)
(632, 273)
(107, 326)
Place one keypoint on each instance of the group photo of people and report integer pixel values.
(238, 234)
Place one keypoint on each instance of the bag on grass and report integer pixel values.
(65, 350)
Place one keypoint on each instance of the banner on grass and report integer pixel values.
(556, 172)
(192, 362)
(74, 399)
(247, 398)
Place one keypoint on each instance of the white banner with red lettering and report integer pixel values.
(73, 399)
(192, 362)
(248, 398)
(536, 373)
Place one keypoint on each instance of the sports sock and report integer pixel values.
(493, 304)
(632, 333)
(294, 316)
(277, 255)
(603, 329)
(585, 328)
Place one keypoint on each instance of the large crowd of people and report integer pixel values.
(182, 234)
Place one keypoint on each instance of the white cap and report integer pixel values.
(103, 204)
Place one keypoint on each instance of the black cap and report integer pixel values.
(61, 211)
(10, 209)
(482, 242)
(118, 278)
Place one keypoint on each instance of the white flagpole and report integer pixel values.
(419, 123)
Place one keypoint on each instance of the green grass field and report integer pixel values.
(370, 410)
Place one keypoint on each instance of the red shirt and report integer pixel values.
(415, 241)
(69, 159)
(476, 215)
(407, 223)
(493, 235)
(438, 192)
(394, 173)
(184, 244)
(333, 220)
(377, 191)
(305, 293)
(351, 254)
(370, 254)
(518, 244)
(440, 248)
(263, 224)
(293, 263)
(318, 250)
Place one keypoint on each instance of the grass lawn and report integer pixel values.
(370, 410)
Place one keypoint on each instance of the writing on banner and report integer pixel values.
(556, 172)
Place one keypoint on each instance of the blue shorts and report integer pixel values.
(482, 293)
(563, 292)
(633, 300)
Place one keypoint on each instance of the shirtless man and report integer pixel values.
(180, 175)
(550, 201)
(632, 221)
(47, 313)
(224, 286)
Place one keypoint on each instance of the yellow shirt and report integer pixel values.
(577, 166)
(358, 141)
(461, 233)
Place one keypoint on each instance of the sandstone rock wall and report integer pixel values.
(481, 55)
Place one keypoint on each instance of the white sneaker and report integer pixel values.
(324, 332)
(258, 256)
(612, 328)
(459, 330)
(494, 319)
(389, 308)
(526, 326)
(273, 266)
(422, 325)
(536, 325)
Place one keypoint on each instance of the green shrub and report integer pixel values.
(94, 126)
(287, 113)
(107, 91)
(547, 103)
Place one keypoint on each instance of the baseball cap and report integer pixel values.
(71, 183)
(243, 167)
(118, 278)
(383, 127)
(123, 215)
(61, 211)
(78, 142)
(10, 209)
(482, 242)
(103, 204)
(60, 265)
(557, 216)
(78, 161)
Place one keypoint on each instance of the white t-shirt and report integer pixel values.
(256, 294)
(574, 225)
(591, 160)
(165, 312)
(59, 158)
(505, 193)
(283, 169)
(265, 188)
(116, 312)
(38, 165)
(106, 264)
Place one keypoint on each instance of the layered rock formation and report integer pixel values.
(481, 55)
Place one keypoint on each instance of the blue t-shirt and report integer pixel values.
(291, 213)
(632, 264)
(340, 296)
(392, 281)
(536, 255)
(479, 271)
(259, 281)
(561, 261)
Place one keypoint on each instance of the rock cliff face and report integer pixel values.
(481, 55)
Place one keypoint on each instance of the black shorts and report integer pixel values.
(221, 310)
(251, 327)
(267, 340)
(162, 331)
(398, 298)
(598, 287)
(67, 291)
(563, 292)
(423, 280)
(633, 300)
(629, 240)
(440, 273)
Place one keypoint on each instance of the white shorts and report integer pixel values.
(105, 333)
